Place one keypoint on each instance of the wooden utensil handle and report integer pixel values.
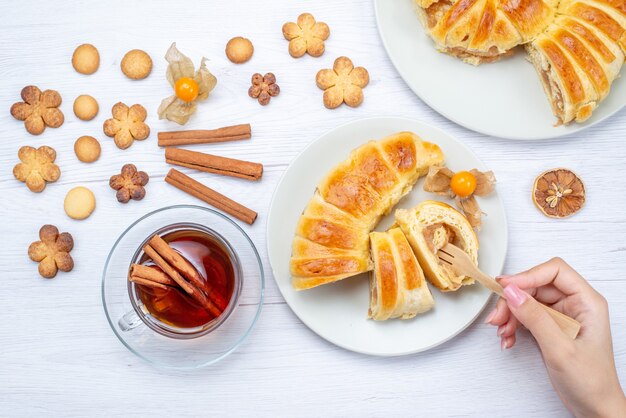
(569, 326)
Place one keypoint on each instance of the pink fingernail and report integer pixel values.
(501, 330)
(504, 345)
(491, 315)
(514, 295)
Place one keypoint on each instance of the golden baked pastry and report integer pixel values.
(483, 31)
(580, 55)
(136, 64)
(429, 227)
(86, 59)
(397, 285)
(332, 240)
(85, 107)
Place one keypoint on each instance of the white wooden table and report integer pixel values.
(58, 356)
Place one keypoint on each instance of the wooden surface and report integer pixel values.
(58, 356)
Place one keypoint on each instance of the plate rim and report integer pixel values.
(577, 129)
(270, 216)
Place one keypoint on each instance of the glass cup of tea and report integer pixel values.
(165, 325)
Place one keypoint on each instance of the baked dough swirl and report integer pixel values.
(332, 240)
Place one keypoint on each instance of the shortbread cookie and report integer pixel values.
(79, 203)
(86, 59)
(239, 50)
(85, 107)
(87, 149)
(136, 64)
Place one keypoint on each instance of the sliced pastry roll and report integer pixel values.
(580, 55)
(429, 227)
(397, 285)
(332, 240)
(480, 31)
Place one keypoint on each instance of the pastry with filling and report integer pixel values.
(397, 285)
(332, 236)
(580, 55)
(429, 227)
(479, 31)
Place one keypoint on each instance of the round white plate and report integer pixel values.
(503, 99)
(338, 311)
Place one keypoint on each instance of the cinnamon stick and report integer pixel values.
(148, 283)
(176, 260)
(227, 133)
(169, 270)
(186, 286)
(210, 196)
(214, 163)
(152, 274)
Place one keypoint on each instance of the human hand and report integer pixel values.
(582, 371)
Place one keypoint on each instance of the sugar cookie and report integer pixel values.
(79, 203)
(85, 107)
(136, 64)
(87, 149)
(86, 59)
(239, 50)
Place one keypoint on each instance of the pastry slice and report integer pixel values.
(580, 55)
(397, 285)
(331, 240)
(429, 227)
(479, 31)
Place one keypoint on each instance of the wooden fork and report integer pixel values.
(462, 264)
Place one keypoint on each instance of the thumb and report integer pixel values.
(530, 313)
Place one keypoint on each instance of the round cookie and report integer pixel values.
(136, 64)
(87, 149)
(86, 59)
(85, 107)
(79, 203)
(239, 50)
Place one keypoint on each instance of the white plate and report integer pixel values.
(504, 99)
(338, 311)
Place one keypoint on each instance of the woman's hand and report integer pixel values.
(582, 371)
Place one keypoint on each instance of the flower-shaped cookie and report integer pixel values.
(343, 83)
(52, 252)
(190, 86)
(129, 184)
(38, 109)
(306, 36)
(263, 87)
(36, 167)
(127, 124)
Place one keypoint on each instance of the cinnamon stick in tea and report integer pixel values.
(194, 292)
(214, 163)
(169, 270)
(148, 283)
(142, 272)
(176, 260)
(210, 196)
(228, 133)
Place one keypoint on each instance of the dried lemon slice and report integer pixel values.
(559, 193)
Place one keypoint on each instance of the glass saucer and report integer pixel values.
(174, 353)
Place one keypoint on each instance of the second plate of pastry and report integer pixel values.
(353, 235)
(577, 49)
